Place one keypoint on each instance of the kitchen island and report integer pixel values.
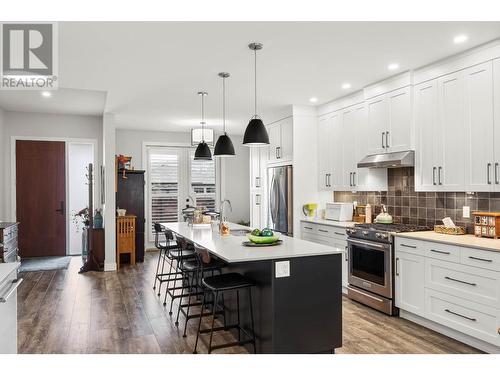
(298, 297)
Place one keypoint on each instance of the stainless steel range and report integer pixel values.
(371, 263)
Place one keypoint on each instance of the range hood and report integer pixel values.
(389, 160)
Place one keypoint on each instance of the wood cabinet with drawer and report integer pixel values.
(8, 242)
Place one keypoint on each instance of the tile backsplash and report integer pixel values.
(422, 208)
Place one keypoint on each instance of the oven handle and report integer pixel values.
(367, 295)
(369, 244)
(15, 285)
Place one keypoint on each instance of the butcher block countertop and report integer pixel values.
(467, 240)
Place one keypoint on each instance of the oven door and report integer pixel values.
(370, 266)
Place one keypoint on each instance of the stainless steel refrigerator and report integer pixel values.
(280, 218)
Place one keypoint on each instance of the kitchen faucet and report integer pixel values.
(190, 198)
(221, 209)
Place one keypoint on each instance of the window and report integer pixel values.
(203, 182)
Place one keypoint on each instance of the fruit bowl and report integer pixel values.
(263, 239)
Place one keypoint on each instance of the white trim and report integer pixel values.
(109, 266)
(13, 190)
(459, 336)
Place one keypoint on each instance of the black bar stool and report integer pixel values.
(163, 246)
(218, 285)
(196, 269)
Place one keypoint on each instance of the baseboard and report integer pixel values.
(109, 266)
(459, 336)
(151, 249)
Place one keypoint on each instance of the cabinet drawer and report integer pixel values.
(476, 320)
(317, 239)
(436, 250)
(307, 227)
(408, 245)
(471, 283)
(324, 230)
(480, 258)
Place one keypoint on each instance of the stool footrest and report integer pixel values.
(234, 343)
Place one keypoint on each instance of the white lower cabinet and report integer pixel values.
(456, 287)
(330, 236)
(257, 213)
(409, 294)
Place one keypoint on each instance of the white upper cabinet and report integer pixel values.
(349, 164)
(258, 156)
(479, 127)
(281, 141)
(390, 122)
(496, 116)
(336, 180)
(325, 138)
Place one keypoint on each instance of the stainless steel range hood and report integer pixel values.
(389, 160)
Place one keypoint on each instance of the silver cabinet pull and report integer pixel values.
(329, 184)
(339, 234)
(460, 281)
(347, 256)
(257, 199)
(481, 259)
(496, 174)
(460, 315)
(488, 173)
(15, 285)
(386, 139)
(383, 133)
(441, 252)
(257, 181)
(276, 152)
(439, 175)
(397, 266)
(310, 228)
(350, 179)
(410, 246)
(322, 230)
(353, 178)
(434, 175)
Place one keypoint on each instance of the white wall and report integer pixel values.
(3, 213)
(109, 207)
(41, 125)
(235, 186)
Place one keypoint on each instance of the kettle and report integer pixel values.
(309, 209)
(383, 217)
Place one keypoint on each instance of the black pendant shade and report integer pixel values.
(202, 152)
(256, 133)
(224, 146)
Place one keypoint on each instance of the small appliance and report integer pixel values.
(309, 209)
(339, 211)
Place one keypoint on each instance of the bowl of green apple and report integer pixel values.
(264, 236)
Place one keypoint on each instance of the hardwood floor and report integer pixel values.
(118, 312)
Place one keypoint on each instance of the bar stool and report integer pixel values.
(195, 269)
(219, 284)
(163, 248)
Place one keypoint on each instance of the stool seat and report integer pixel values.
(192, 265)
(182, 254)
(227, 281)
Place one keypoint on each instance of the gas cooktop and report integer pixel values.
(398, 228)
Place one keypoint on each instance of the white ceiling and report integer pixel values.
(151, 71)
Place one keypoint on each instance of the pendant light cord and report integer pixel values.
(255, 82)
(224, 104)
(202, 118)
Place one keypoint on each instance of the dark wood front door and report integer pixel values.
(41, 198)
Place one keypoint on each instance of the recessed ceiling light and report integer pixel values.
(393, 66)
(313, 100)
(460, 38)
(346, 86)
(46, 94)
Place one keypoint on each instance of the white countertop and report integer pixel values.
(466, 240)
(339, 224)
(230, 249)
(6, 269)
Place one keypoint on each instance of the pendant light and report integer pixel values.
(224, 146)
(202, 151)
(255, 133)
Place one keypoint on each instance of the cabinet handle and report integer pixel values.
(488, 173)
(350, 179)
(397, 266)
(439, 175)
(339, 234)
(496, 174)
(481, 259)
(440, 252)
(329, 182)
(347, 259)
(410, 246)
(257, 200)
(310, 228)
(322, 230)
(353, 178)
(276, 152)
(460, 315)
(383, 139)
(460, 281)
(387, 139)
(257, 181)
(326, 179)
(434, 175)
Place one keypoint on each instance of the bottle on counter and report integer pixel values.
(368, 213)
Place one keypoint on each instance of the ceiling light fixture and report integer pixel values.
(346, 86)
(393, 66)
(313, 100)
(224, 146)
(255, 133)
(202, 151)
(460, 38)
(46, 94)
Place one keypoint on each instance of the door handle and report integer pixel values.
(439, 175)
(15, 285)
(61, 208)
(434, 175)
(496, 174)
(488, 173)
(383, 133)
(387, 139)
